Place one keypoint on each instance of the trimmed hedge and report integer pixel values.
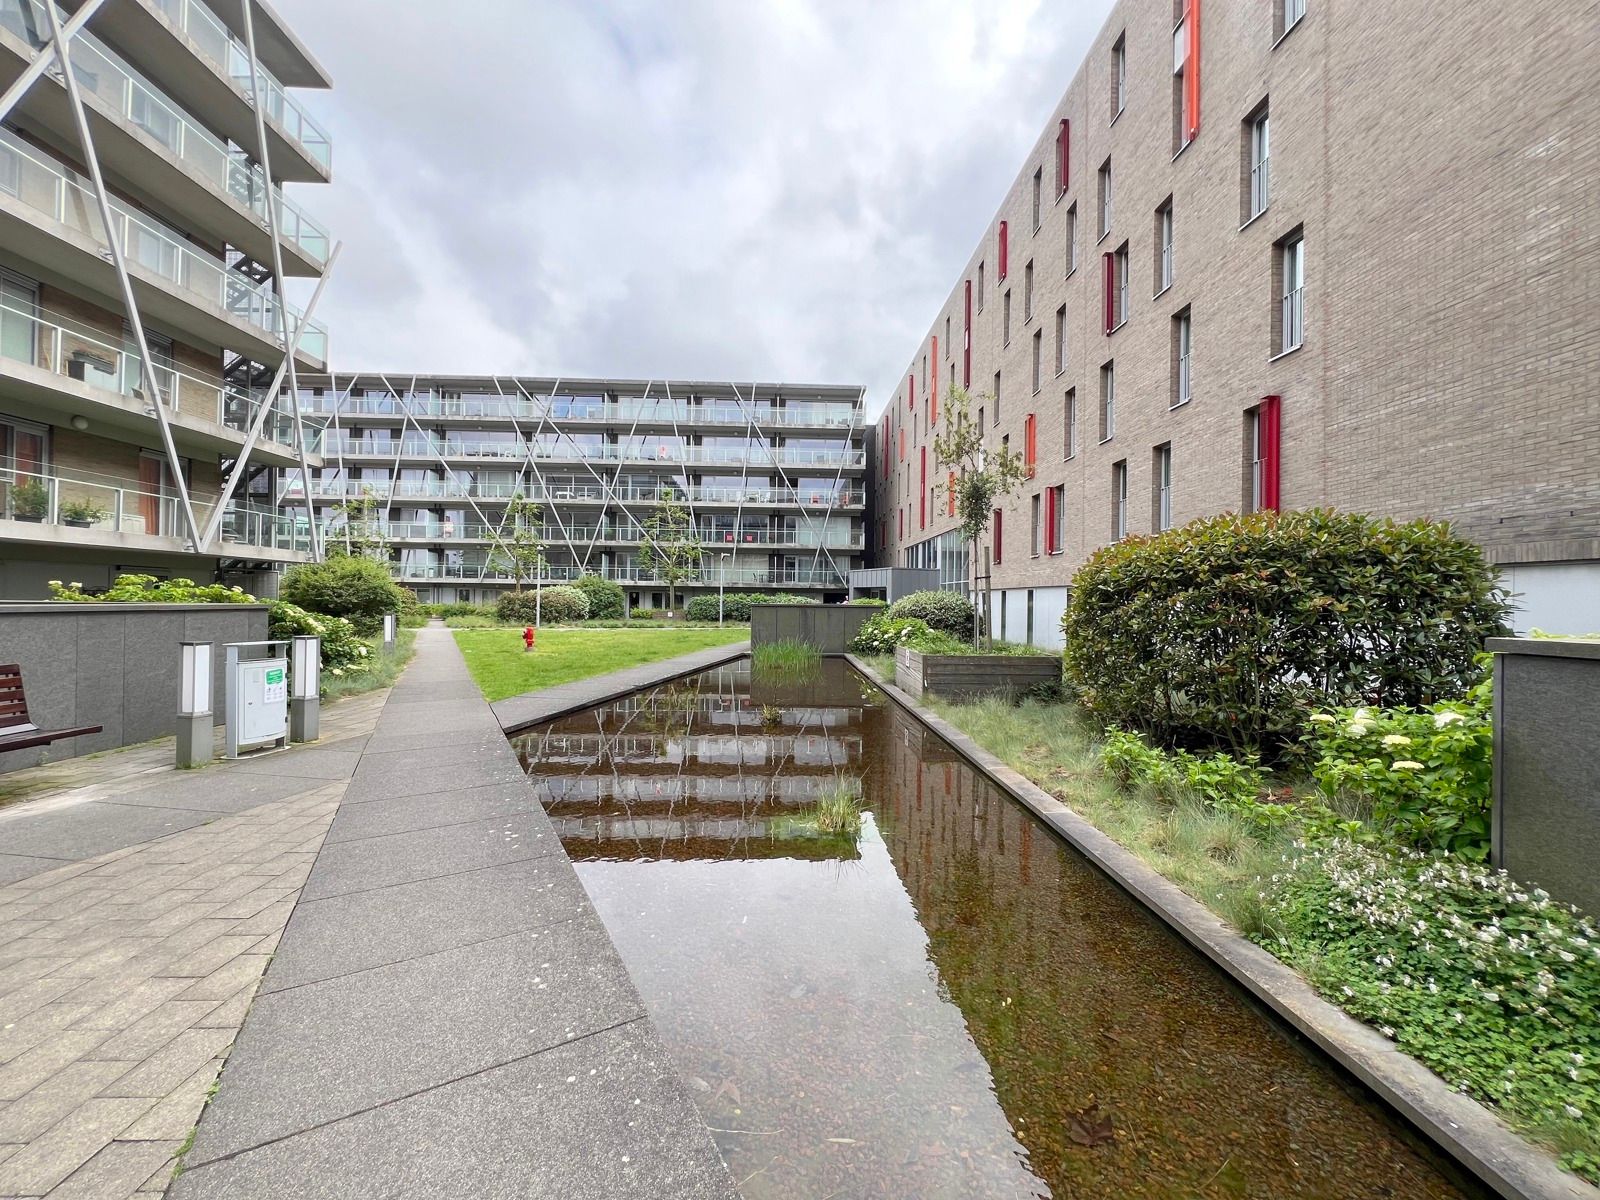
(736, 605)
(347, 585)
(1228, 631)
(606, 601)
(559, 605)
(946, 612)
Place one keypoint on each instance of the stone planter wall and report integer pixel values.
(829, 627)
(968, 676)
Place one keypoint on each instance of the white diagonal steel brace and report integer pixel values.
(531, 463)
(42, 60)
(146, 362)
(267, 402)
(263, 156)
(616, 476)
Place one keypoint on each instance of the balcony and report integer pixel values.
(61, 367)
(573, 533)
(331, 445)
(39, 503)
(565, 409)
(57, 223)
(142, 136)
(459, 490)
(1293, 320)
(730, 576)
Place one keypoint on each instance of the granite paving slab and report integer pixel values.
(430, 810)
(383, 861)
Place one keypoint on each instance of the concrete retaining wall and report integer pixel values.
(114, 665)
(1547, 765)
(828, 627)
(967, 676)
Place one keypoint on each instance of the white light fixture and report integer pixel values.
(194, 691)
(305, 662)
(80, 423)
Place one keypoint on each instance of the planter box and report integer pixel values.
(968, 676)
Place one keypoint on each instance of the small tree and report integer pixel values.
(363, 534)
(671, 547)
(520, 552)
(983, 475)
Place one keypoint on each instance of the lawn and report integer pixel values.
(497, 661)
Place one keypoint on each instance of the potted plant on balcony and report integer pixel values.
(30, 500)
(82, 513)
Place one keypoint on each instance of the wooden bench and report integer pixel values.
(17, 732)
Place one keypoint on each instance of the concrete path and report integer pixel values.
(446, 1016)
(138, 916)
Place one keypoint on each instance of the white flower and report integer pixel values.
(1323, 718)
(1575, 1113)
(1396, 739)
(1440, 720)
(55, 583)
(1405, 764)
(1357, 728)
(74, 585)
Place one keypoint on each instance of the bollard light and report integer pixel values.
(306, 667)
(194, 692)
(391, 628)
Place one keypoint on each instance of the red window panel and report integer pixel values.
(1030, 445)
(999, 536)
(922, 491)
(933, 385)
(1191, 70)
(966, 341)
(1050, 519)
(1109, 278)
(1063, 157)
(1271, 418)
(951, 492)
(1005, 238)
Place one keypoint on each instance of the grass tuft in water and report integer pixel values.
(836, 815)
(796, 660)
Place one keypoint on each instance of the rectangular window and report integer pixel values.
(1108, 402)
(1289, 14)
(1123, 277)
(1182, 342)
(1070, 421)
(1258, 149)
(1058, 517)
(1262, 453)
(980, 287)
(1038, 357)
(996, 401)
(911, 393)
(1116, 288)
(1030, 445)
(933, 379)
(950, 495)
(1105, 198)
(1061, 339)
(1063, 157)
(1035, 541)
(1119, 76)
(1005, 319)
(1186, 75)
(1003, 248)
(1161, 498)
(1119, 500)
(902, 444)
(1072, 238)
(1038, 192)
(1027, 292)
(1164, 246)
(922, 492)
(999, 536)
(1292, 283)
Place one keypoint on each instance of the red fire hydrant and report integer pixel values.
(527, 639)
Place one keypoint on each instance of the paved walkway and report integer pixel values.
(446, 1016)
(136, 917)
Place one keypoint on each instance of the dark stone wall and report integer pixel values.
(828, 627)
(1547, 765)
(115, 665)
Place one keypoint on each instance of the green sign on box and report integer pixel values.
(275, 675)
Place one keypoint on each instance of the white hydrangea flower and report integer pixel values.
(1440, 720)
(1396, 739)
(1406, 764)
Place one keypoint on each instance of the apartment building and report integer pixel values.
(1281, 254)
(770, 479)
(145, 234)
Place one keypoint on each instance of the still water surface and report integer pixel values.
(953, 1004)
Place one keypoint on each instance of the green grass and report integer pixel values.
(382, 670)
(791, 658)
(837, 814)
(496, 659)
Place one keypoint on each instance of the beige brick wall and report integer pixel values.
(1441, 162)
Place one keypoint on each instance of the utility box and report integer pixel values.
(257, 680)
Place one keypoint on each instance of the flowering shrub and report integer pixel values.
(147, 589)
(1228, 784)
(343, 651)
(555, 605)
(1428, 773)
(882, 634)
(1490, 983)
(948, 612)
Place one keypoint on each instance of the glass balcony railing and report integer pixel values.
(216, 42)
(710, 576)
(56, 192)
(560, 408)
(519, 451)
(83, 500)
(56, 343)
(461, 489)
(105, 75)
(714, 541)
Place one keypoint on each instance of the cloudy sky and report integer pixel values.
(742, 189)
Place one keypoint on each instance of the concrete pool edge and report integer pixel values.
(1462, 1129)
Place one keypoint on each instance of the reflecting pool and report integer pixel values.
(950, 1002)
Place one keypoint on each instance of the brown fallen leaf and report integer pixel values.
(1089, 1128)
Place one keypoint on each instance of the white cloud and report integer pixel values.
(727, 189)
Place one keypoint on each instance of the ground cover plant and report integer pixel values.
(736, 605)
(501, 667)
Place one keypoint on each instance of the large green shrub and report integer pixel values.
(948, 612)
(1229, 630)
(559, 605)
(147, 589)
(343, 651)
(736, 605)
(606, 601)
(346, 585)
